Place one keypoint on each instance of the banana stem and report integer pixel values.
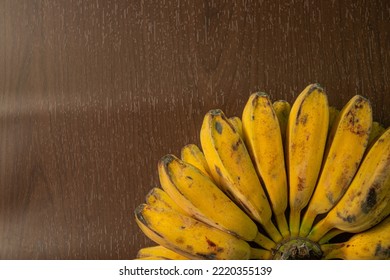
(272, 231)
(281, 221)
(332, 233)
(332, 251)
(307, 223)
(260, 254)
(295, 216)
(264, 241)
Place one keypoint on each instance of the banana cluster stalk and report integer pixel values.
(283, 181)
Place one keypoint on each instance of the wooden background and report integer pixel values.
(94, 93)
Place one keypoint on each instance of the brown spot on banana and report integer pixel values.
(218, 127)
(236, 145)
(349, 218)
(190, 248)
(329, 196)
(211, 256)
(370, 201)
(218, 170)
(179, 240)
(303, 119)
(301, 184)
(382, 252)
(211, 243)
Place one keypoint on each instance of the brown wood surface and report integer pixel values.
(94, 93)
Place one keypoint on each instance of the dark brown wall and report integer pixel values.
(93, 93)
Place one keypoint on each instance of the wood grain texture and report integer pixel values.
(94, 93)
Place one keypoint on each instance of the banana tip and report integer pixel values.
(167, 159)
(261, 94)
(316, 86)
(138, 212)
(215, 112)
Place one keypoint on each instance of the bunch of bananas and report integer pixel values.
(300, 181)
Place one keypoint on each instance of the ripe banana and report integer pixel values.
(160, 199)
(187, 186)
(307, 131)
(237, 124)
(373, 244)
(366, 201)
(346, 145)
(229, 197)
(282, 110)
(190, 237)
(376, 131)
(159, 252)
(232, 169)
(192, 154)
(264, 141)
(333, 114)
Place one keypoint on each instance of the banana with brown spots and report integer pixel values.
(192, 238)
(366, 201)
(233, 171)
(307, 131)
(197, 194)
(263, 138)
(346, 145)
(373, 244)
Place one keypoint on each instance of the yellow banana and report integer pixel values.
(192, 154)
(237, 124)
(159, 252)
(282, 110)
(190, 237)
(376, 131)
(187, 186)
(333, 114)
(160, 199)
(307, 131)
(366, 201)
(264, 141)
(232, 169)
(345, 149)
(373, 244)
